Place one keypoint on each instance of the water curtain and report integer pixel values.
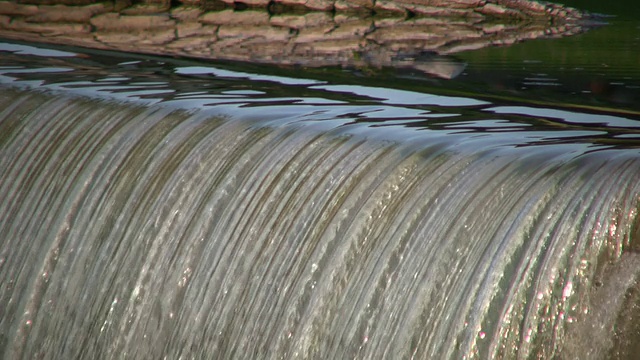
(147, 232)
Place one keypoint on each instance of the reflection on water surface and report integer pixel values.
(279, 98)
(398, 34)
(539, 91)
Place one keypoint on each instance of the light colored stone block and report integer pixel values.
(231, 17)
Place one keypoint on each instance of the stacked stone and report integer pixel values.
(513, 8)
(311, 38)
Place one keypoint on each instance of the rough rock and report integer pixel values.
(311, 38)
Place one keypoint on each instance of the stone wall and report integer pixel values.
(280, 35)
(518, 8)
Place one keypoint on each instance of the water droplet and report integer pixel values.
(527, 337)
(566, 292)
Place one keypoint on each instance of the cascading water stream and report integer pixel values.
(132, 231)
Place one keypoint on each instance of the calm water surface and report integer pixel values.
(582, 88)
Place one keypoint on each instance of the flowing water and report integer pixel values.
(167, 208)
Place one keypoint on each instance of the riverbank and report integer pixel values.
(368, 35)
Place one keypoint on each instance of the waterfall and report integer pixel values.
(151, 232)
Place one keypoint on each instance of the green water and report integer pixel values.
(599, 69)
